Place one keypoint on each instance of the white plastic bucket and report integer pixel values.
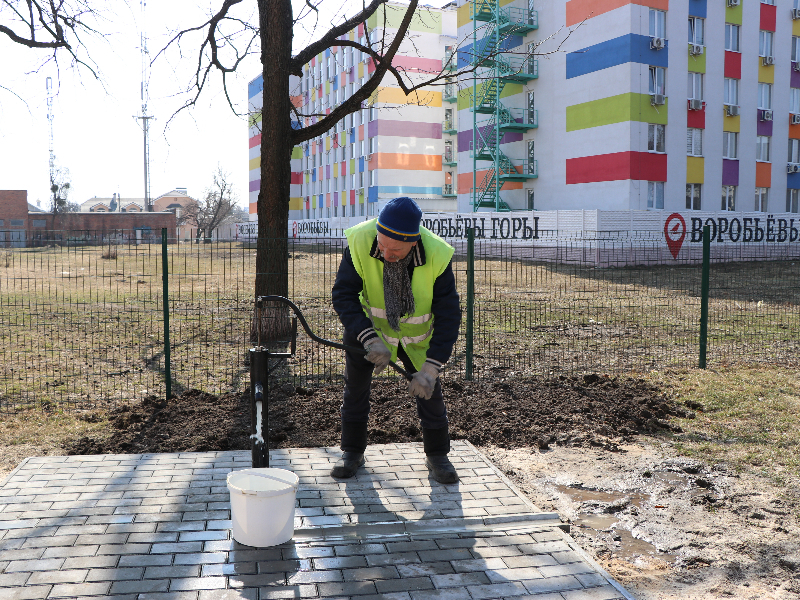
(262, 506)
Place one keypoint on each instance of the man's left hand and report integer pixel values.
(423, 382)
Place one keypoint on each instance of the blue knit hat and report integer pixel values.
(400, 219)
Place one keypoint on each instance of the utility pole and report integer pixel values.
(49, 85)
(145, 118)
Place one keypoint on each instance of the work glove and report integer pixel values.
(423, 382)
(378, 354)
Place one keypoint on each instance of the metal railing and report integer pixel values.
(84, 318)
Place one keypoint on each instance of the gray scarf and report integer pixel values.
(397, 294)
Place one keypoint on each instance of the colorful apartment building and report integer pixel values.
(629, 105)
(396, 145)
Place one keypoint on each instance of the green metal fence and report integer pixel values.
(85, 324)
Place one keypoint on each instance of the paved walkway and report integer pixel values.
(157, 526)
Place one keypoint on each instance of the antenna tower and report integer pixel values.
(49, 85)
(145, 118)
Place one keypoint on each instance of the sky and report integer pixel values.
(95, 134)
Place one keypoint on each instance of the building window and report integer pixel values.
(795, 48)
(693, 196)
(17, 222)
(762, 148)
(658, 23)
(730, 144)
(361, 210)
(530, 200)
(43, 222)
(728, 197)
(765, 43)
(794, 100)
(373, 145)
(694, 141)
(655, 194)
(792, 201)
(658, 80)
(696, 31)
(765, 96)
(794, 151)
(695, 86)
(731, 37)
(373, 177)
(655, 137)
(731, 91)
(373, 113)
(762, 199)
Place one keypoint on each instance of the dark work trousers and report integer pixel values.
(358, 378)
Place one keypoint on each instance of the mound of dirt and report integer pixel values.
(508, 412)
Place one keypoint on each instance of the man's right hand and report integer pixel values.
(378, 354)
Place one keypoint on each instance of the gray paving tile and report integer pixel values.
(76, 590)
(33, 592)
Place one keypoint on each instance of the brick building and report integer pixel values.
(21, 227)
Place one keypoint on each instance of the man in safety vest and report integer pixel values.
(396, 296)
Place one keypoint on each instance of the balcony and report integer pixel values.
(529, 169)
(448, 191)
(523, 120)
(450, 92)
(518, 21)
(449, 63)
(449, 127)
(518, 68)
(449, 159)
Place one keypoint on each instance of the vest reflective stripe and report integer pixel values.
(393, 341)
(381, 314)
(417, 329)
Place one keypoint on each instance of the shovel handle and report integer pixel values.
(323, 341)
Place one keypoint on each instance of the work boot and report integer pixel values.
(354, 442)
(436, 443)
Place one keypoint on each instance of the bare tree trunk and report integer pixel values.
(272, 274)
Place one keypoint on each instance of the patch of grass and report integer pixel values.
(750, 418)
(37, 433)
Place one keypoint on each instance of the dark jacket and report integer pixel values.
(445, 305)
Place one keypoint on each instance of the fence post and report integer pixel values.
(165, 276)
(704, 295)
(470, 299)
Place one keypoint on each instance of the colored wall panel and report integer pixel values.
(793, 182)
(733, 14)
(255, 185)
(616, 109)
(464, 54)
(409, 190)
(465, 182)
(392, 95)
(580, 10)
(733, 64)
(643, 166)
(255, 140)
(423, 20)
(763, 174)
(766, 74)
(697, 8)
(254, 163)
(394, 160)
(730, 172)
(796, 28)
(696, 118)
(618, 51)
(732, 124)
(695, 169)
(795, 77)
(412, 129)
(416, 64)
(297, 152)
(510, 89)
(256, 86)
(295, 203)
(763, 127)
(463, 14)
(794, 132)
(768, 18)
(697, 64)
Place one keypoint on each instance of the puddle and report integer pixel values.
(603, 525)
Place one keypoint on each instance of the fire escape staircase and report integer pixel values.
(499, 69)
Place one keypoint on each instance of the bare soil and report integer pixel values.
(597, 450)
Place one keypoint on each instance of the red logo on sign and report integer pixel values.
(675, 233)
(294, 228)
